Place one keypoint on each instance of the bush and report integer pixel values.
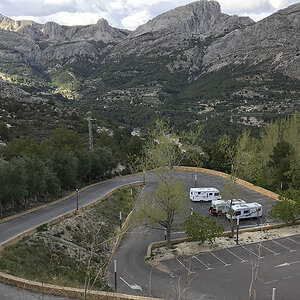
(200, 228)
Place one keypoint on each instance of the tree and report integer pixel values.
(24, 146)
(247, 162)
(84, 170)
(102, 162)
(222, 154)
(35, 177)
(288, 208)
(199, 228)
(162, 152)
(65, 166)
(169, 202)
(65, 139)
(13, 182)
(231, 191)
(280, 163)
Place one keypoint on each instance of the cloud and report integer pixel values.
(139, 18)
(123, 13)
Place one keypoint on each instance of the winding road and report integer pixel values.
(135, 276)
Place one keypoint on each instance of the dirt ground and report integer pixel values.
(192, 248)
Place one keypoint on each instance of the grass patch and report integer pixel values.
(59, 254)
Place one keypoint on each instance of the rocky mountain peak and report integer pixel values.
(103, 24)
(197, 17)
(53, 31)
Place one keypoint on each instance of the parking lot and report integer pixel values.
(227, 257)
(208, 180)
(205, 270)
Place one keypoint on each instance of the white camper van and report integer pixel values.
(222, 206)
(246, 210)
(204, 194)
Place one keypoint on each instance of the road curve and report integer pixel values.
(133, 269)
(31, 220)
(137, 277)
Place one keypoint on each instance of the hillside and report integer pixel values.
(191, 63)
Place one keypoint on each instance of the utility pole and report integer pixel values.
(91, 142)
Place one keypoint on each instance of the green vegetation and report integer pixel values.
(288, 208)
(34, 172)
(91, 234)
(162, 154)
(213, 85)
(199, 228)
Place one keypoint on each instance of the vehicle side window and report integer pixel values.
(237, 213)
(210, 194)
(199, 193)
(246, 211)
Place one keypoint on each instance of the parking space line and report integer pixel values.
(275, 253)
(207, 267)
(291, 250)
(225, 264)
(242, 260)
(267, 282)
(184, 266)
(293, 240)
(252, 252)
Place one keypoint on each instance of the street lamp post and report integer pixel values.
(237, 230)
(76, 199)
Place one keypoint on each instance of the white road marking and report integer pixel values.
(225, 264)
(184, 266)
(291, 250)
(284, 278)
(293, 241)
(252, 252)
(242, 260)
(132, 286)
(267, 282)
(275, 253)
(171, 274)
(207, 267)
(288, 264)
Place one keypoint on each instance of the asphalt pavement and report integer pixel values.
(135, 276)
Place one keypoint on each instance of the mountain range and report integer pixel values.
(191, 62)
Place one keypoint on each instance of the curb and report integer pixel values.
(64, 291)
(68, 291)
(225, 233)
(227, 176)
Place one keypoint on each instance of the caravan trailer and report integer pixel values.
(220, 207)
(204, 194)
(246, 210)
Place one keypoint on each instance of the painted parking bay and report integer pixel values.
(207, 261)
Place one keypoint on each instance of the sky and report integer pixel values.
(123, 13)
